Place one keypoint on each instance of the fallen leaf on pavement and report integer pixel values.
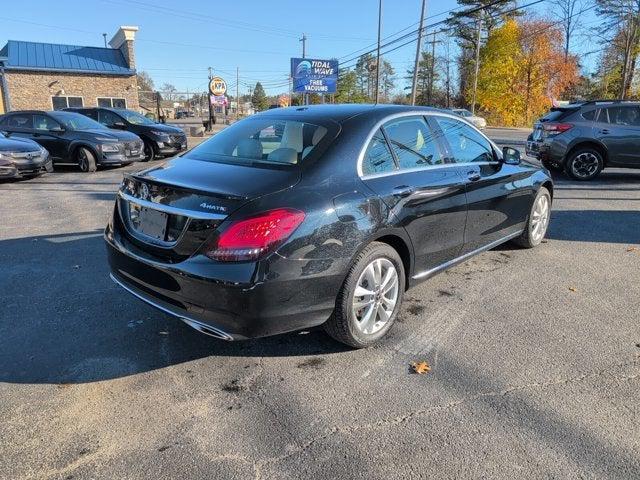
(573, 289)
(421, 367)
(632, 249)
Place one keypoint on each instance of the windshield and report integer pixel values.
(76, 121)
(267, 140)
(464, 113)
(135, 118)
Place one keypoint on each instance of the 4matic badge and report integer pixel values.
(217, 208)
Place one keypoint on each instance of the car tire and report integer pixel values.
(552, 167)
(86, 160)
(360, 320)
(537, 222)
(149, 152)
(584, 164)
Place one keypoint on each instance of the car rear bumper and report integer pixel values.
(168, 149)
(232, 301)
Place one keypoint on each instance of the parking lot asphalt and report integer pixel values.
(535, 358)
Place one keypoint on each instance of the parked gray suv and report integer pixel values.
(583, 138)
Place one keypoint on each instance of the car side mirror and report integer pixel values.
(511, 156)
(56, 130)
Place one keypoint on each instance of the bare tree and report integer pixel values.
(622, 18)
(568, 13)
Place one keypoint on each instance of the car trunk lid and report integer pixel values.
(167, 212)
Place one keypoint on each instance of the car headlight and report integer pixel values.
(110, 147)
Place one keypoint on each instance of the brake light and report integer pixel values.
(252, 237)
(553, 128)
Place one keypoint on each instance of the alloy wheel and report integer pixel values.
(375, 296)
(540, 218)
(585, 165)
(83, 161)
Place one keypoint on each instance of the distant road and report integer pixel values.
(508, 135)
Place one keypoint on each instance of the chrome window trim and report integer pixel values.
(426, 113)
(172, 210)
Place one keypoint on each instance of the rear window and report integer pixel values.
(557, 114)
(268, 140)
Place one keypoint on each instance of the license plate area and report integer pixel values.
(148, 222)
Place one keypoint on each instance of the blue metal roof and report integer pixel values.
(64, 58)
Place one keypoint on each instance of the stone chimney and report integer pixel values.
(123, 41)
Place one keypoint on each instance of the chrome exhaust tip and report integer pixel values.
(207, 330)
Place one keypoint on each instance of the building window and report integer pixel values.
(111, 102)
(64, 102)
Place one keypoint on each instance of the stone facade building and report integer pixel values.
(43, 76)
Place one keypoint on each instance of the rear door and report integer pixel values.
(405, 166)
(54, 142)
(498, 202)
(618, 128)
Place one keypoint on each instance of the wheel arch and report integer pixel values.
(73, 149)
(588, 144)
(400, 244)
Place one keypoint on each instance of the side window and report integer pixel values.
(42, 122)
(590, 115)
(412, 142)
(467, 145)
(627, 116)
(108, 118)
(20, 121)
(377, 157)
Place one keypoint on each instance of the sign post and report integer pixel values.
(311, 75)
(217, 88)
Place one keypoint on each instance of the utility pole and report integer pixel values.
(305, 97)
(209, 98)
(432, 68)
(477, 66)
(104, 37)
(448, 74)
(414, 83)
(378, 52)
(237, 93)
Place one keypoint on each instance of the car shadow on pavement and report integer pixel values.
(607, 226)
(62, 320)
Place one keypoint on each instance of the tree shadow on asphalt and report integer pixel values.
(62, 320)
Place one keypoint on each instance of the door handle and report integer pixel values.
(403, 191)
(605, 131)
(473, 175)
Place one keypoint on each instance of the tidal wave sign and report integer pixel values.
(314, 76)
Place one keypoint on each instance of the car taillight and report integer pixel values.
(252, 237)
(554, 128)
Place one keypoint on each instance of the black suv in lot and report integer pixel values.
(159, 139)
(73, 138)
(583, 138)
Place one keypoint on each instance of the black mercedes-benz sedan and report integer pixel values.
(22, 158)
(320, 215)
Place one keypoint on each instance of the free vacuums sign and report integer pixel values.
(311, 75)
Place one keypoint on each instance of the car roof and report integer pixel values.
(342, 112)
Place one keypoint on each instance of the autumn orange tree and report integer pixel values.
(522, 69)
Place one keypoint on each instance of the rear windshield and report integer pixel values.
(556, 114)
(268, 140)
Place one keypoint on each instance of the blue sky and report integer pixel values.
(177, 41)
